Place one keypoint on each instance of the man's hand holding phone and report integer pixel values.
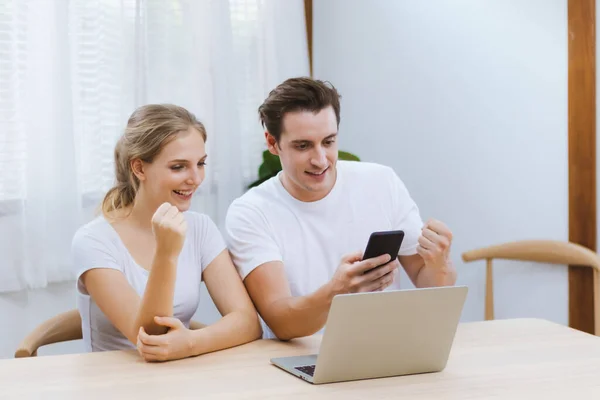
(356, 275)
(371, 271)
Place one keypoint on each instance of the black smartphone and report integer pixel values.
(384, 242)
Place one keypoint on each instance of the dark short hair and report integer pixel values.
(297, 94)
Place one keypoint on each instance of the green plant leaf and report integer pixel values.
(344, 155)
(270, 166)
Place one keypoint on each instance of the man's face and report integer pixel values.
(308, 152)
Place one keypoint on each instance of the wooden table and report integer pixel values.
(504, 359)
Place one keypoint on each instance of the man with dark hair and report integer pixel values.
(296, 238)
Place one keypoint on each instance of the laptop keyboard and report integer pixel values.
(307, 369)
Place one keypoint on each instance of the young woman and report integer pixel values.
(140, 264)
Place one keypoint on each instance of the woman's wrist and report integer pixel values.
(164, 257)
(197, 342)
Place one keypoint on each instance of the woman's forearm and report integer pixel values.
(234, 329)
(158, 295)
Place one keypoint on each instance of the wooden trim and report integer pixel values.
(582, 156)
(308, 13)
(489, 290)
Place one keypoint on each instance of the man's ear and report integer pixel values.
(137, 167)
(272, 144)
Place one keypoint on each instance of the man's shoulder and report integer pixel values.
(254, 202)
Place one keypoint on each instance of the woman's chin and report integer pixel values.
(182, 204)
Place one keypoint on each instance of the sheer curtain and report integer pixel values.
(72, 71)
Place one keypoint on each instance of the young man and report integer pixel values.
(297, 238)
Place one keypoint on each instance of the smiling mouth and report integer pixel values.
(317, 173)
(184, 194)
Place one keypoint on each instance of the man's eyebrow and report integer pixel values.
(310, 141)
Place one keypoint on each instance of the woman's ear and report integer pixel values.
(137, 167)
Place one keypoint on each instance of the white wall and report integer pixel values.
(467, 100)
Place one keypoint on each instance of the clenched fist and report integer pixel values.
(169, 227)
(434, 244)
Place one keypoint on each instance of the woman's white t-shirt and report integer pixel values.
(97, 245)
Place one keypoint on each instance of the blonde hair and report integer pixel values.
(148, 130)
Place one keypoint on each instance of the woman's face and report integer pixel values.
(176, 172)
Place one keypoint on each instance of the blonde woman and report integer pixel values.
(139, 265)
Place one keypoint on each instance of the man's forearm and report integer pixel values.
(294, 317)
(433, 277)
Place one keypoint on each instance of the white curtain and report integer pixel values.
(72, 71)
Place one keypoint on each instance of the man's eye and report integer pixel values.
(302, 147)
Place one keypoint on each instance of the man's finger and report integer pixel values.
(426, 243)
(424, 253)
(439, 227)
(383, 270)
(352, 257)
(380, 283)
(376, 261)
(438, 240)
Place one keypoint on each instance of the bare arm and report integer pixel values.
(290, 317)
(287, 316)
(431, 266)
(423, 277)
(240, 322)
(121, 304)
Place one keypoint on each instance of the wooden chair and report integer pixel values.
(542, 251)
(60, 328)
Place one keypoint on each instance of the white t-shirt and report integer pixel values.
(97, 245)
(310, 238)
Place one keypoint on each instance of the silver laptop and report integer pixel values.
(382, 334)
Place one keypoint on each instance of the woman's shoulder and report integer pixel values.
(98, 229)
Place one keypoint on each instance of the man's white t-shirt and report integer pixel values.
(97, 245)
(310, 238)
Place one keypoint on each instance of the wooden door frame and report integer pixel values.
(308, 14)
(582, 155)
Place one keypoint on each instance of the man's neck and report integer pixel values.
(303, 195)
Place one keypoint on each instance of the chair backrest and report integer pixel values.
(542, 251)
(60, 328)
